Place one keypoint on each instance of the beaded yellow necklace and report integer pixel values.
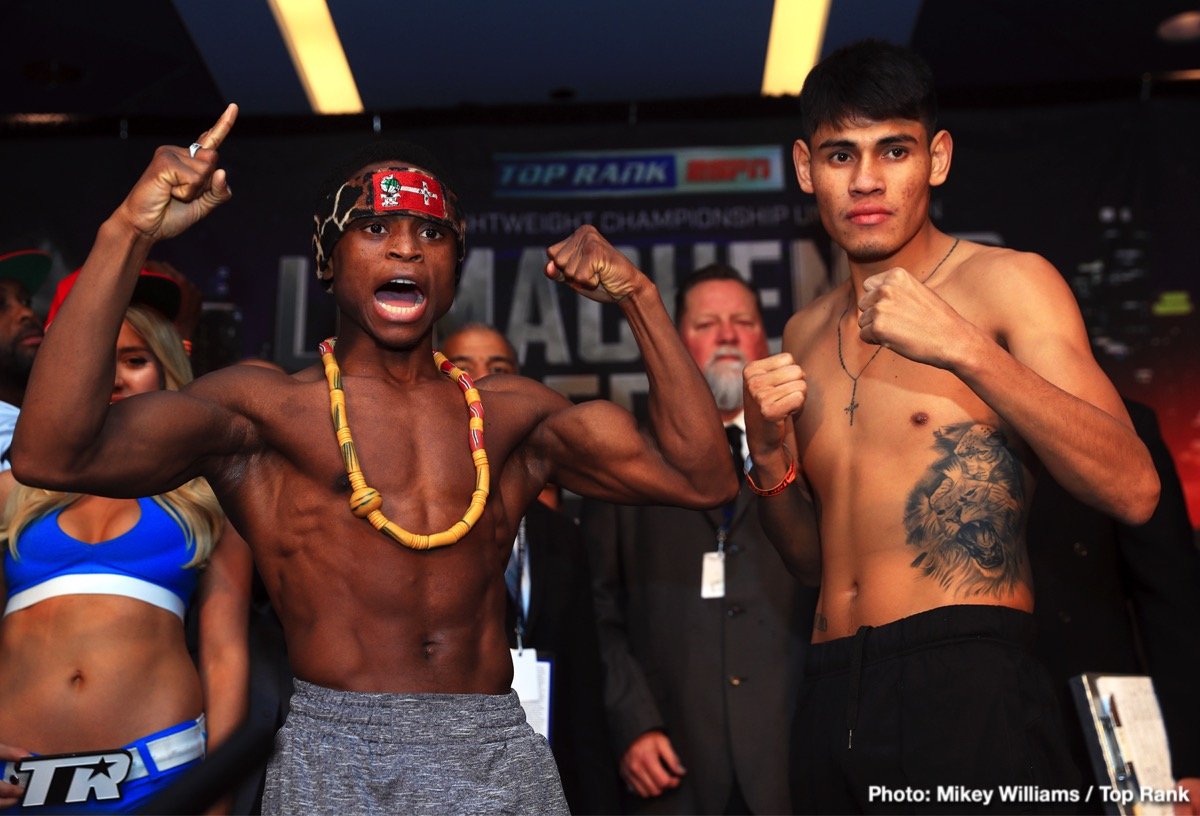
(366, 501)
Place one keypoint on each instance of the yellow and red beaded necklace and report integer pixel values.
(366, 501)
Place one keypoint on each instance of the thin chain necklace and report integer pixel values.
(366, 501)
(852, 406)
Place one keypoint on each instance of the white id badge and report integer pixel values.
(537, 712)
(712, 575)
(525, 674)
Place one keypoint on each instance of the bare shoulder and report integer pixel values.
(515, 385)
(237, 384)
(986, 267)
(522, 400)
(1005, 288)
(542, 415)
(814, 317)
(254, 396)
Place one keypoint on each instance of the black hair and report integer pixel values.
(714, 271)
(872, 80)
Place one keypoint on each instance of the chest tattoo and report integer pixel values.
(963, 517)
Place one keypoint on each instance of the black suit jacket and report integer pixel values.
(561, 622)
(1118, 599)
(719, 675)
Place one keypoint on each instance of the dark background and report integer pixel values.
(1073, 128)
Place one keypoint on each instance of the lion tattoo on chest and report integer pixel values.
(964, 515)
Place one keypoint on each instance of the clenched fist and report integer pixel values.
(774, 392)
(591, 266)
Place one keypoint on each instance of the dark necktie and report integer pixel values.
(512, 575)
(734, 434)
(514, 572)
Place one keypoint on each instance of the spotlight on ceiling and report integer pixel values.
(793, 45)
(39, 119)
(316, 50)
(1180, 28)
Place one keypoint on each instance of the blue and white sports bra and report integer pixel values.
(145, 563)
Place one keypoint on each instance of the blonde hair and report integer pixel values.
(192, 505)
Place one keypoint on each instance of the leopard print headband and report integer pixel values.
(399, 190)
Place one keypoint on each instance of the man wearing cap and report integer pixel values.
(380, 518)
(21, 274)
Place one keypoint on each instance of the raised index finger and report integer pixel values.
(211, 139)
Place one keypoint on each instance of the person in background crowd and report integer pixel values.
(93, 657)
(160, 285)
(480, 350)
(701, 627)
(550, 604)
(21, 274)
(907, 415)
(1117, 598)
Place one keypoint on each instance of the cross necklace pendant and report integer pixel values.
(852, 406)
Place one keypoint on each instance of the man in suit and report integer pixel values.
(1122, 599)
(550, 603)
(701, 626)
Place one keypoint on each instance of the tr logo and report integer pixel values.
(72, 778)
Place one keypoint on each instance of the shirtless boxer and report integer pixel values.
(403, 700)
(917, 402)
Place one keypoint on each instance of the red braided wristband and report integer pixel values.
(787, 479)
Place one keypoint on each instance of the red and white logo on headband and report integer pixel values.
(407, 190)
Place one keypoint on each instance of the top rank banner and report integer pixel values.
(625, 173)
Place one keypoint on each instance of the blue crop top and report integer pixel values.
(145, 563)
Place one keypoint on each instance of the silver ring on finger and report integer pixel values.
(193, 147)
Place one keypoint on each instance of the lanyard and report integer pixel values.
(726, 523)
(519, 601)
(734, 434)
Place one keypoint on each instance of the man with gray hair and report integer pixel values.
(701, 626)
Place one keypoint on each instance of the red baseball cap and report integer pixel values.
(153, 289)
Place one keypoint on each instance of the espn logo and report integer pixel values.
(716, 170)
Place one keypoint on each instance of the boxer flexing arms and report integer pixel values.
(403, 698)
